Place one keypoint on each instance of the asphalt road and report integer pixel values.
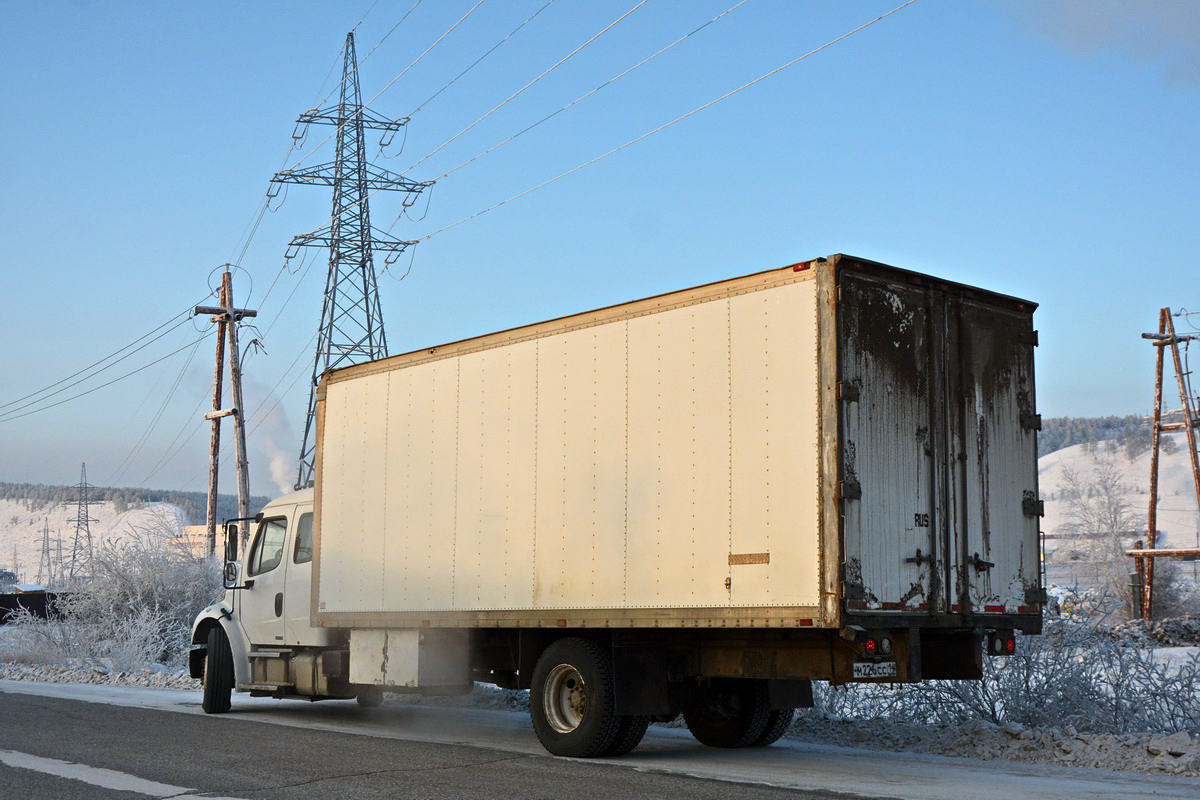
(73, 740)
(139, 752)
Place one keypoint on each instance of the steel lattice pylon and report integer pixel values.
(351, 320)
(81, 549)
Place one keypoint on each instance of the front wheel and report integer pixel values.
(218, 672)
(369, 697)
(571, 699)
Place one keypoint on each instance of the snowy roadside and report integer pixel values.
(153, 677)
(1155, 754)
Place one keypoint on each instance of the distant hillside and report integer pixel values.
(1130, 435)
(34, 497)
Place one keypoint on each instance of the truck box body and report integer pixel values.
(829, 443)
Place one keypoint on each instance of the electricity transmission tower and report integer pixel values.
(81, 549)
(351, 328)
(45, 573)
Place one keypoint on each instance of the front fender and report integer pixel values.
(220, 613)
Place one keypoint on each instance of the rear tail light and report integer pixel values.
(1001, 643)
(878, 646)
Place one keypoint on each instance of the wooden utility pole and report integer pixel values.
(1165, 338)
(227, 318)
(214, 452)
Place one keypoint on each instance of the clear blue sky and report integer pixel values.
(1041, 148)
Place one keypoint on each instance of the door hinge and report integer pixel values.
(1033, 508)
(1031, 421)
(848, 392)
(1028, 337)
(851, 489)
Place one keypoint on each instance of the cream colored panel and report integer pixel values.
(679, 457)
(494, 546)
(775, 446)
(421, 495)
(353, 499)
(580, 553)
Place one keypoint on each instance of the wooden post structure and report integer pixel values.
(227, 318)
(214, 450)
(1165, 338)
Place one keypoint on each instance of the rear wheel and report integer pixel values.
(218, 672)
(369, 696)
(630, 731)
(777, 724)
(728, 712)
(571, 700)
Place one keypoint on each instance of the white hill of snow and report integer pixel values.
(1178, 521)
(21, 530)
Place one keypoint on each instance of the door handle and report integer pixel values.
(279, 604)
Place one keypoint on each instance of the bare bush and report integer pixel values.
(1080, 673)
(137, 607)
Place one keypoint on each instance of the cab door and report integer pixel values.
(261, 602)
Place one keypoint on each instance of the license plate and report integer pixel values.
(871, 669)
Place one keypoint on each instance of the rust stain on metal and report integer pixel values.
(749, 558)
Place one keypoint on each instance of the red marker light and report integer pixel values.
(871, 647)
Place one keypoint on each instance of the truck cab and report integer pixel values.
(260, 638)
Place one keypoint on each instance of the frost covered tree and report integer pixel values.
(1101, 521)
(146, 586)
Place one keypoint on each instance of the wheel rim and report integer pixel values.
(564, 697)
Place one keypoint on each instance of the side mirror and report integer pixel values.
(230, 574)
(231, 537)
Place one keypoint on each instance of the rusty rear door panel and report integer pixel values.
(888, 476)
(1000, 512)
(938, 447)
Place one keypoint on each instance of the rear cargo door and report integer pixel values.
(888, 391)
(938, 448)
(998, 545)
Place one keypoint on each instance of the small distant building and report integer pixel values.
(7, 581)
(28, 588)
(195, 538)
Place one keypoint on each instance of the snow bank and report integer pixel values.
(1174, 754)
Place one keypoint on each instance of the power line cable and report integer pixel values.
(46, 394)
(385, 38)
(515, 94)
(365, 13)
(259, 409)
(145, 437)
(583, 97)
(666, 125)
(475, 63)
(191, 425)
(337, 130)
(10, 416)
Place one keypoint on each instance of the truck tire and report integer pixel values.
(571, 699)
(777, 724)
(218, 672)
(728, 712)
(369, 697)
(630, 731)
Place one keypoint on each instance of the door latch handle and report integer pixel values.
(979, 564)
(279, 604)
(919, 559)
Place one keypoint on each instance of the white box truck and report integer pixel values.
(695, 503)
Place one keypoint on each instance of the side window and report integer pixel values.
(267, 550)
(303, 539)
